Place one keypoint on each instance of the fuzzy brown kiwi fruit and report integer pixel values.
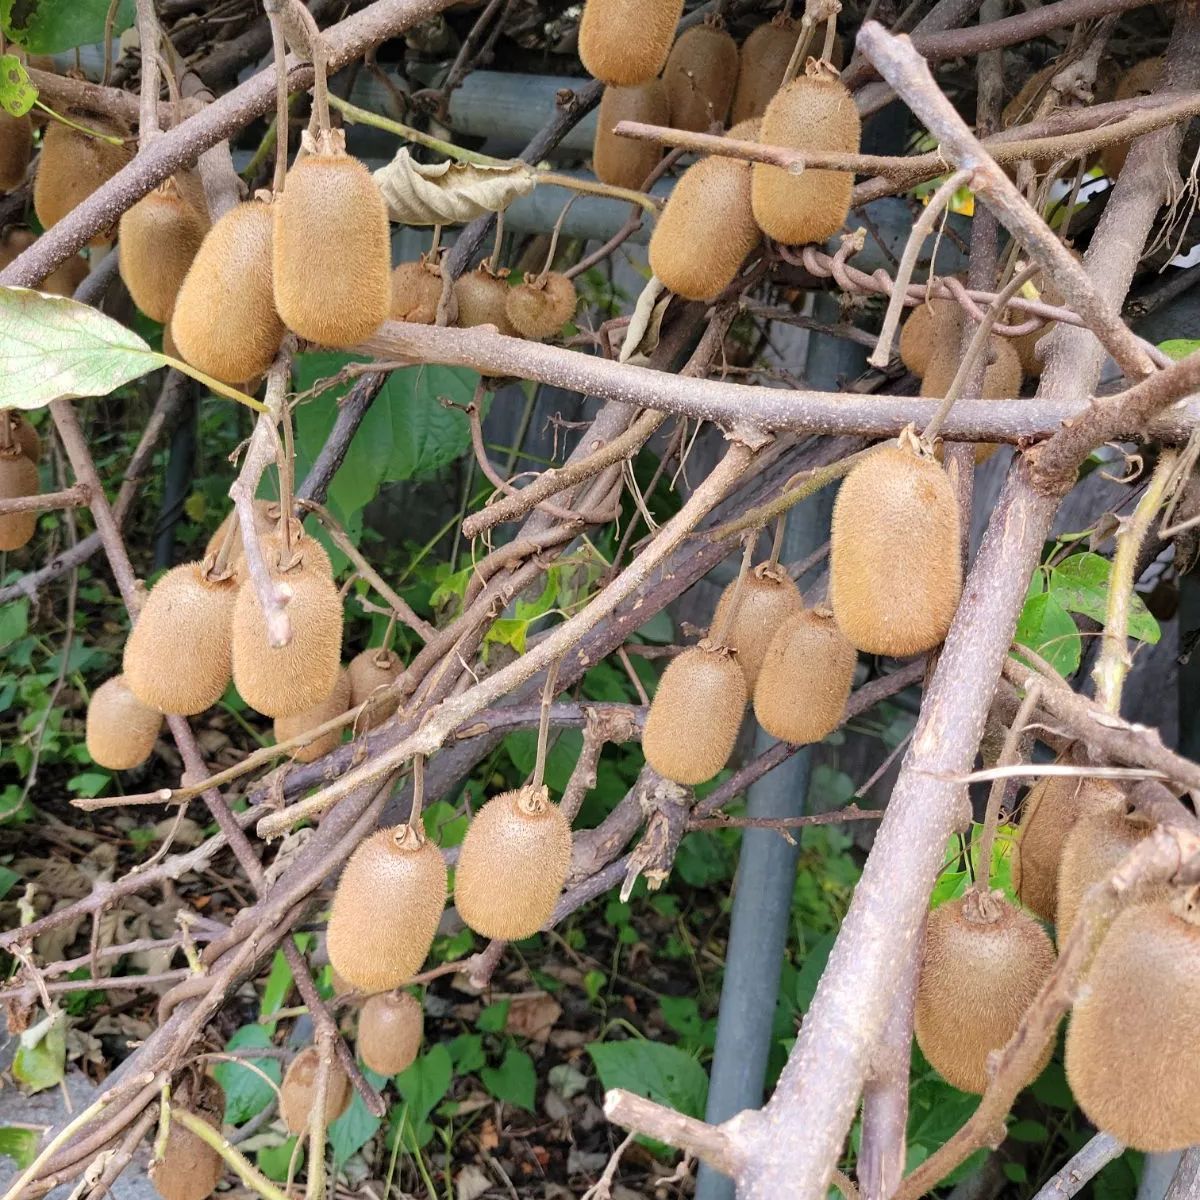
(1134, 1037)
(389, 1032)
(984, 962)
(805, 679)
(18, 477)
(1140, 80)
(815, 112)
(177, 657)
(24, 436)
(121, 730)
(158, 239)
(700, 75)
(1001, 378)
(625, 162)
(626, 42)
(416, 292)
(282, 681)
(66, 277)
(370, 672)
(1050, 811)
(190, 1168)
(707, 228)
(765, 55)
(482, 296)
(768, 597)
(889, 600)
(539, 307)
(298, 1092)
(930, 325)
(513, 864)
(16, 148)
(386, 909)
(15, 242)
(334, 705)
(73, 165)
(225, 321)
(332, 256)
(266, 519)
(695, 714)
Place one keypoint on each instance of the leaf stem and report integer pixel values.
(215, 385)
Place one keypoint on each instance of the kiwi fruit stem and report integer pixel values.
(282, 107)
(539, 765)
(418, 796)
(719, 635)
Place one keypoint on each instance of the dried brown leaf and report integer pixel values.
(450, 193)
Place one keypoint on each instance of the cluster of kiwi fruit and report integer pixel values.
(20, 452)
(189, 1168)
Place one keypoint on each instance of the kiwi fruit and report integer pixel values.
(225, 321)
(16, 148)
(24, 436)
(895, 571)
(1134, 1037)
(695, 714)
(121, 730)
(190, 1168)
(73, 165)
(287, 680)
(513, 864)
(700, 75)
(765, 55)
(334, 705)
(815, 112)
(177, 657)
(18, 477)
(626, 162)
(931, 325)
(1140, 80)
(626, 42)
(14, 243)
(805, 679)
(370, 672)
(386, 909)
(266, 519)
(768, 597)
(332, 255)
(1001, 378)
(298, 1092)
(416, 292)
(482, 297)
(707, 228)
(66, 277)
(984, 962)
(158, 239)
(1050, 811)
(539, 307)
(389, 1032)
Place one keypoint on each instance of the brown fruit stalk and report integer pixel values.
(121, 730)
(332, 253)
(416, 291)
(700, 75)
(370, 672)
(334, 705)
(768, 597)
(386, 909)
(805, 678)
(539, 307)
(626, 42)
(16, 148)
(1134, 1038)
(1001, 378)
(984, 962)
(190, 1168)
(390, 1027)
(765, 56)
(73, 165)
(811, 113)
(18, 477)
(24, 436)
(895, 575)
(513, 864)
(695, 715)
(626, 162)
(931, 325)
(1140, 80)
(225, 321)
(177, 657)
(298, 1092)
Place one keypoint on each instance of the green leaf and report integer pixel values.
(662, 1073)
(19, 1144)
(51, 348)
(274, 1161)
(357, 1125)
(17, 94)
(41, 1058)
(1030, 1131)
(246, 1092)
(560, 758)
(279, 983)
(52, 26)
(1081, 583)
(508, 631)
(14, 621)
(492, 1019)
(513, 1081)
(7, 879)
(422, 1087)
(1047, 628)
(1178, 348)
(467, 1052)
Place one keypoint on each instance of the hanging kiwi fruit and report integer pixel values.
(895, 571)
(16, 149)
(73, 165)
(225, 321)
(1049, 813)
(416, 291)
(707, 228)
(121, 730)
(158, 239)
(266, 518)
(1141, 79)
(805, 679)
(627, 162)
(390, 1028)
(298, 1092)
(1001, 378)
(18, 477)
(177, 656)
(386, 909)
(1134, 1038)
(334, 705)
(626, 42)
(930, 326)
(764, 59)
(766, 599)
(371, 672)
(541, 305)
(20, 434)
(695, 715)
(482, 296)
(700, 75)
(190, 1168)
(15, 242)
(983, 964)
(814, 112)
